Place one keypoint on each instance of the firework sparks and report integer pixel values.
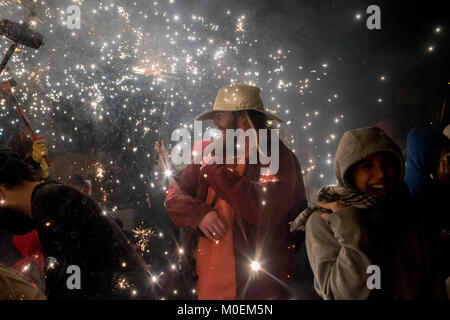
(143, 235)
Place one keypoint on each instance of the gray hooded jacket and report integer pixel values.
(341, 249)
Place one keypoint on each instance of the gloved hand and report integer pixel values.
(39, 150)
(39, 153)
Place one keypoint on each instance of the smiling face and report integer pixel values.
(375, 175)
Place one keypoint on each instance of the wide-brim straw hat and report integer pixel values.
(237, 97)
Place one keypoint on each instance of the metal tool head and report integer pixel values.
(21, 34)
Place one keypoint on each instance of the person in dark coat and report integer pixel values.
(74, 234)
(427, 177)
(424, 149)
(29, 260)
(245, 249)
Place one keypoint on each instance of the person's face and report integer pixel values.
(375, 175)
(443, 172)
(224, 120)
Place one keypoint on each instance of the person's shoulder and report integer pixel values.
(15, 287)
(55, 188)
(51, 194)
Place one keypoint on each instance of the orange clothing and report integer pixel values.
(215, 263)
(258, 226)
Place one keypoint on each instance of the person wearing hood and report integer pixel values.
(428, 179)
(363, 237)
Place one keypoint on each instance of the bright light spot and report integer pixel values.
(255, 266)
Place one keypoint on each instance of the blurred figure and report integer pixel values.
(425, 148)
(367, 220)
(73, 232)
(31, 261)
(79, 183)
(32, 152)
(447, 131)
(428, 180)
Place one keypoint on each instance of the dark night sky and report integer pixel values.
(327, 30)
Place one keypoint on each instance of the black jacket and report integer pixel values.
(74, 231)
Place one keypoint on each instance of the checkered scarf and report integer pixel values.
(327, 194)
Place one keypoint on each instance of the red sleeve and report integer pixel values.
(257, 201)
(184, 209)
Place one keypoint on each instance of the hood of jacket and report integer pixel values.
(357, 144)
(423, 149)
(354, 146)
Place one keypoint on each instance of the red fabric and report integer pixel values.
(217, 257)
(262, 212)
(30, 247)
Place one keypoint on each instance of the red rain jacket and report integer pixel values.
(260, 225)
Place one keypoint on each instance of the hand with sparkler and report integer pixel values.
(163, 157)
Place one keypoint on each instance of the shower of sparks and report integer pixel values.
(128, 70)
(143, 235)
(122, 283)
(100, 171)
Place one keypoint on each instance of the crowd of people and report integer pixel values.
(383, 232)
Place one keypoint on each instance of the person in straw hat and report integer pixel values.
(244, 248)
